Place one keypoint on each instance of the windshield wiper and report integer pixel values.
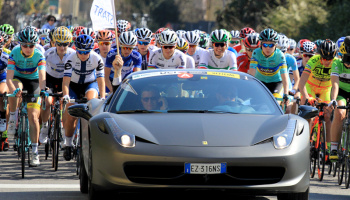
(138, 111)
(200, 111)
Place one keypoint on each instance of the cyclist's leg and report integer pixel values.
(13, 106)
(91, 91)
(325, 95)
(3, 116)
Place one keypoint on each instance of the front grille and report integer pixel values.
(173, 174)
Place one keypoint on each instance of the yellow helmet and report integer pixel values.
(342, 49)
(62, 35)
(182, 44)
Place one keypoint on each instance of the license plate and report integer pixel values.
(205, 168)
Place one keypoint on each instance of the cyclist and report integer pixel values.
(89, 31)
(194, 50)
(340, 93)
(144, 37)
(9, 30)
(235, 41)
(339, 43)
(309, 50)
(104, 40)
(219, 57)
(3, 88)
(27, 71)
(4, 36)
(182, 45)
(292, 46)
(52, 42)
(55, 62)
(250, 43)
(167, 57)
(44, 36)
(124, 64)
(83, 77)
(242, 34)
(268, 64)
(316, 79)
(204, 41)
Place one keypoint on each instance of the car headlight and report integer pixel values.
(284, 139)
(124, 138)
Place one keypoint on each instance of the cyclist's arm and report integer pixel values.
(285, 83)
(303, 79)
(296, 79)
(335, 87)
(107, 81)
(9, 80)
(65, 85)
(42, 79)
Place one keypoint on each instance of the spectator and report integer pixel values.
(51, 20)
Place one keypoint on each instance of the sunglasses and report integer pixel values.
(147, 99)
(83, 52)
(127, 48)
(234, 41)
(43, 38)
(168, 47)
(143, 43)
(219, 44)
(192, 46)
(28, 45)
(307, 55)
(248, 49)
(104, 43)
(268, 45)
(291, 49)
(62, 44)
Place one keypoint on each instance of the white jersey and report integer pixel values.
(157, 60)
(200, 52)
(84, 71)
(47, 46)
(54, 64)
(227, 61)
(190, 64)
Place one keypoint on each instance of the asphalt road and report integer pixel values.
(44, 183)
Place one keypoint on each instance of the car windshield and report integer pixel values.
(199, 91)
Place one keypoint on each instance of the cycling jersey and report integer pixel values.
(300, 65)
(339, 69)
(291, 67)
(3, 65)
(268, 69)
(130, 62)
(243, 62)
(145, 59)
(238, 47)
(320, 76)
(210, 61)
(8, 51)
(157, 60)
(54, 64)
(26, 67)
(189, 62)
(232, 50)
(200, 52)
(82, 72)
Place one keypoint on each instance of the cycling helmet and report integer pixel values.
(182, 44)
(168, 38)
(28, 35)
(283, 43)
(192, 37)
(84, 42)
(76, 31)
(251, 41)
(7, 28)
(292, 43)
(339, 42)
(128, 38)
(219, 36)
(328, 49)
(300, 46)
(4, 36)
(2, 41)
(345, 46)
(180, 33)
(104, 35)
(203, 41)
(268, 35)
(88, 31)
(245, 31)
(309, 47)
(45, 31)
(122, 25)
(62, 35)
(143, 34)
(235, 34)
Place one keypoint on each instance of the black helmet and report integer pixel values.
(28, 35)
(327, 49)
(268, 35)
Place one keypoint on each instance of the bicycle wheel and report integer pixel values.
(57, 132)
(330, 168)
(347, 159)
(47, 145)
(313, 154)
(341, 173)
(321, 157)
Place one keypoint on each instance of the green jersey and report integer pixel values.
(339, 69)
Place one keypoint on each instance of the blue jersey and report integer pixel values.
(26, 67)
(268, 69)
(233, 50)
(291, 66)
(3, 65)
(134, 60)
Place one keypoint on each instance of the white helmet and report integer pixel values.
(292, 43)
(235, 33)
(192, 37)
(180, 33)
(122, 25)
(128, 38)
(143, 34)
(168, 37)
(283, 43)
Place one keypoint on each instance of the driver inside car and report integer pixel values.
(151, 99)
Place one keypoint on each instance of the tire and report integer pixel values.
(56, 145)
(83, 177)
(313, 154)
(347, 160)
(341, 173)
(294, 196)
(321, 157)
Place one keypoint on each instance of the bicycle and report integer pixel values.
(22, 139)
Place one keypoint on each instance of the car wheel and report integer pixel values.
(84, 185)
(294, 196)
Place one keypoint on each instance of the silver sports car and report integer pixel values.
(193, 129)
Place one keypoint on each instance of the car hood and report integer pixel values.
(198, 129)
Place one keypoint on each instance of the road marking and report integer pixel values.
(39, 186)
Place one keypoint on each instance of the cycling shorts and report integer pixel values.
(343, 95)
(32, 87)
(324, 93)
(3, 77)
(55, 84)
(276, 88)
(78, 91)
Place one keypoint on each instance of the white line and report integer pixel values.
(39, 186)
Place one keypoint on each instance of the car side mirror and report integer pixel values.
(80, 110)
(307, 112)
